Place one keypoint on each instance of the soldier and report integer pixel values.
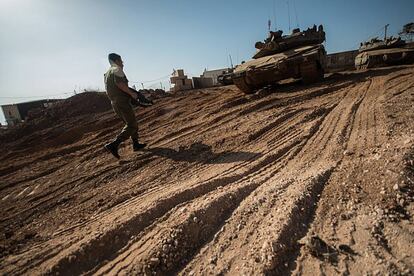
(116, 84)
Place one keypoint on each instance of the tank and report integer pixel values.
(299, 55)
(225, 78)
(379, 53)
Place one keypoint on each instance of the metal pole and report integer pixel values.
(385, 34)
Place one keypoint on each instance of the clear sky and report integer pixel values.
(52, 47)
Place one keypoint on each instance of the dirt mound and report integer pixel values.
(80, 104)
(154, 94)
(299, 179)
(88, 103)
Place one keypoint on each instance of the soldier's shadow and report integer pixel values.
(199, 152)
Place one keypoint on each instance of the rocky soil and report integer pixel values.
(297, 179)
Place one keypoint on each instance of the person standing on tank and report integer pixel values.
(120, 95)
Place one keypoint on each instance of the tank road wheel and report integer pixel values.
(240, 82)
(311, 72)
(390, 60)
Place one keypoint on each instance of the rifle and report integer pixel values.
(141, 100)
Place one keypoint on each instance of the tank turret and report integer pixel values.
(276, 43)
(377, 44)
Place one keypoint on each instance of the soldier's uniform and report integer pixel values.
(121, 102)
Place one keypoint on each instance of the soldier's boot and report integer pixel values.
(113, 147)
(136, 145)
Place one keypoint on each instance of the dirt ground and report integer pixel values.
(297, 179)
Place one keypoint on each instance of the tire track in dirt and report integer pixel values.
(337, 123)
(400, 83)
(256, 106)
(192, 129)
(167, 267)
(142, 220)
(262, 249)
(397, 78)
(210, 217)
(284, 119)
(238, 219)
(45, 157)
(365, 132)
(32, 177)
(325, 132)
(208, 126)
(201, 215)
(358, 140)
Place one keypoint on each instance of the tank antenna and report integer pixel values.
(296, 14)
(385, 32)
(287, 2)
(274, 14)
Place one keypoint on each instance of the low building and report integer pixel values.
(180, 82)
(11, 114)
(341, 61)
(209, 78)
(201, 82)
(17, 113)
